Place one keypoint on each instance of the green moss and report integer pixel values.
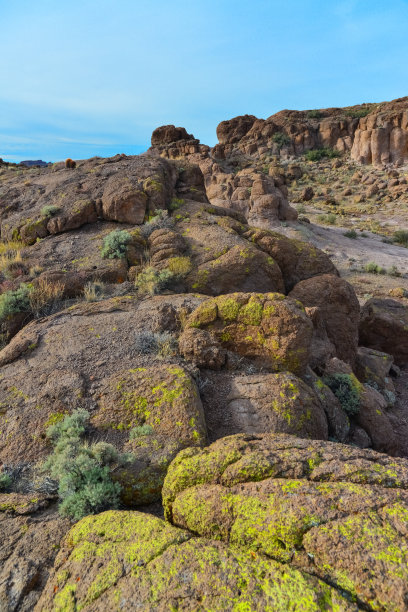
(228, 308)
(251, 313)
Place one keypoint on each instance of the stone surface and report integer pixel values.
(384, 327)
(336, 512)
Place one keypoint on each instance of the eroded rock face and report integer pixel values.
(384, 327)
(332, 511)
(339, 307)
(151, 565)
(30, 532)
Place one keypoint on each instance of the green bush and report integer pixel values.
(82, 471)
(176, 203)
(141, 430)
(374, 268)
(393, 271)
(351, 234)
(151, 281)
(281, 139)
(358, 113)
(318, 154)
(12, 302)
(5, 482)
(115, 244)
(347, 389)
(401, 237)
(330, 218)
(314, 114)
(50, 211)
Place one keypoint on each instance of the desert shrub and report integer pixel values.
(330, 218)
(347, 390)
(179, 266)
(374, 268)
(141, 430)
(393, 271)
(318, 154)
(176, 203)
(358, 113)
(5, 482)
(314, 114)
(82, 471)
(151, 281)
(162, 344)
(50, 211)
(351, 234)
(94, 291)
(115, 244)
(159, 220)
(401, 237)
(12, 302)
(301, 209)
(280, 139)
(45, 297)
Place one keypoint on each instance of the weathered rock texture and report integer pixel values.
(337, 513)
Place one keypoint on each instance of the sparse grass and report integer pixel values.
(45, 297)
(358, 113)
(393, 271)
(162, 344)
(115, 244)
(329, 219)
(176, 203)
(351, 234)
(94, 291)
(151, 281)
(374, 268)
(318, 154)
(401, 237)
(301, 209)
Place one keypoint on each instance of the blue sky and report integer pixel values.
(95, 77)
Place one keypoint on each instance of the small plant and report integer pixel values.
(374, 268)
(331, 219)
(314, 114)
(115, 244)
(159, 220)
(176, 203)
(318, 154)
(179, 266)
(151, 281)
(301, 209)
(82, 471)
(347, 389)
(94, 291)
(141, 430)
(401, 237)
(45, 297)
(50, 211)
(393, 271)
(350, 234)
(155, 343)
(358, 113)
(5, 482)
(12, 302)
(281, 139)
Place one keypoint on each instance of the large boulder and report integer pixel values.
(339, 307)
(151, 565)
(338, 513)
(267, 327)
(384, 327)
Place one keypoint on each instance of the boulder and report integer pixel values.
(384, 327)
(268, 328)
(339, 308)
(336, 512)
(151, 565)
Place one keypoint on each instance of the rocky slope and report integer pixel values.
(226, 371)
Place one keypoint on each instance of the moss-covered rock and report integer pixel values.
(264, 326)
(166, 400)
(342, 516)
(123, 560)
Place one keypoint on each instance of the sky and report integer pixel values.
(96, 77)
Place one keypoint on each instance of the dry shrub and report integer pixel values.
(45, 297)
